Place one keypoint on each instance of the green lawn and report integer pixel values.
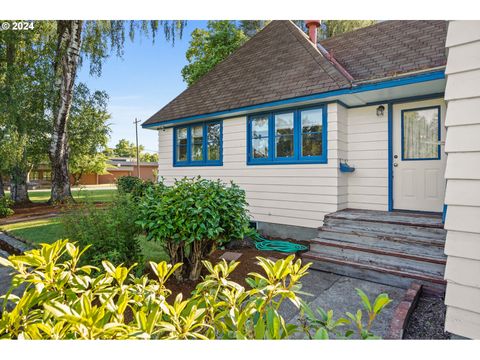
(36, 231)
(50, 230)
(93, 195)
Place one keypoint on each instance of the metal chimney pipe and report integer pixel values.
(312, 26)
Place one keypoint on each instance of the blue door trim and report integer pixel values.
(390, 155)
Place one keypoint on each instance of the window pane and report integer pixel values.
(197, 143)
(420, 134)
(213, 138)
(312, 144)
(312, 120)
(260, 137)
(312, 132)
(260, 148)
(182, 144)
(284, 135)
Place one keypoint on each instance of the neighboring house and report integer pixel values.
(117, 167)
(356, 121)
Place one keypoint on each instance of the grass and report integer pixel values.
(50, 230)
(87, 195)
(37, 231)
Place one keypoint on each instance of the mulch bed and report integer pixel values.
(248, 263)
(427, 321)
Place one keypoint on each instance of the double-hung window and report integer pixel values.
(198, 144)
(288, 137)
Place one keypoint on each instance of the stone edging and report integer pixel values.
(12, 245)
(403, 311)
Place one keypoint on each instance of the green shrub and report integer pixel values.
(192, 217)
(5, 206)
(133, 185)
(63, 300)
(111, 231)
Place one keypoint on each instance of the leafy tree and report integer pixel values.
(74, 41)
(251, 27)
(88, 132)
(24, 78)
(125, 148)
(331, 28)
(209, 47)
(87, 164)
(149, 157)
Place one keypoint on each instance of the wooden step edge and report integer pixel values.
(396, 238)
(393, 222)
(380, 252)
(403, 274)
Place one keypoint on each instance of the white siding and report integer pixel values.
(463, 179)
(368, 152)
(297, 195)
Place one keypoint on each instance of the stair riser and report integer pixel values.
(386, 229)
(374, 276)
(382, 243)
(378, 260)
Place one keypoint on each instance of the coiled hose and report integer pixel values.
(263, 244)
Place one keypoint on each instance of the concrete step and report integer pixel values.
(379, 257)
(384, 274)
(385, 229)
(415, 246)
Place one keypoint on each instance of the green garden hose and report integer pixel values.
(276, 245)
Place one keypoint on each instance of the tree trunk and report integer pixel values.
(65, 66)
(2, 190)
(18, 185)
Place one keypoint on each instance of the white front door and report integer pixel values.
(419, 156)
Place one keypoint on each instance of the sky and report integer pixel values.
(140, 83)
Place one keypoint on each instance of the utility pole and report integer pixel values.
(138, 155)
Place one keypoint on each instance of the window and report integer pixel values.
(47, 175)
(293, 136)
(198, 144)
(260, 137)
(421, 134)
(284, 135)
(34, 175)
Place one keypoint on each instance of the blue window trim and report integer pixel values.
(297, 158)
(189, 161)
(439, 137)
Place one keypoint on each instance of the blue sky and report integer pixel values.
(139, 84)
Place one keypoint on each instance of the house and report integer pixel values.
(41, 175)
(347, 135)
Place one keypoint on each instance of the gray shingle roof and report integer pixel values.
(280, 63)
(390, 48)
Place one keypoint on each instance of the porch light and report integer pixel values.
(380, 110)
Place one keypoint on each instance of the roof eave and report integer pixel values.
(404, 79)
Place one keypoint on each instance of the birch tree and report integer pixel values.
(93, 40)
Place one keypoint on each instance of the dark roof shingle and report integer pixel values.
(277, 63)
(280, 63)
(390, 48)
